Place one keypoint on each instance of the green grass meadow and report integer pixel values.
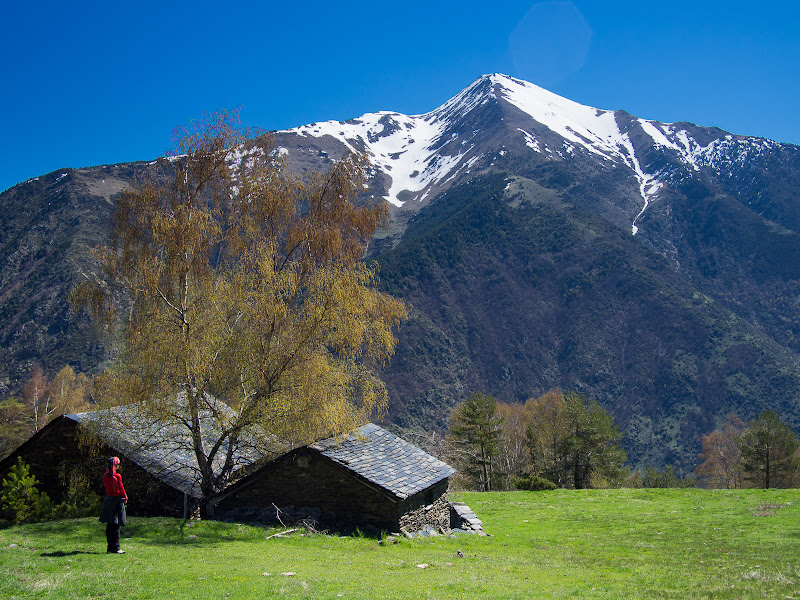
(628, 543)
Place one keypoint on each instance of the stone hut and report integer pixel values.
(158, 467)
(61, 452)
(368, 477)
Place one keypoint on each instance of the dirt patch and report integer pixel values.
(106, 187)
(767, 510)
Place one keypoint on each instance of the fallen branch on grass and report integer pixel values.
(282, 533)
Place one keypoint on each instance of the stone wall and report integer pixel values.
(429, 507)
(52, 451)
(306, 479)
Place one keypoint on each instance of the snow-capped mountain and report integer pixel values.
(540, 243)
(419, 156)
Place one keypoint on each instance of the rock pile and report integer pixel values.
(463, 518)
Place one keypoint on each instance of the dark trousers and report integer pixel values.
(112, 535)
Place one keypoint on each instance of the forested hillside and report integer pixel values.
(515, 291)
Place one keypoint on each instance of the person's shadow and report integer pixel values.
(61, 553)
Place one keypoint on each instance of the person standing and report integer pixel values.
(113, 511)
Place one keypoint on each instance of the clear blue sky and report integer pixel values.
(88, 83)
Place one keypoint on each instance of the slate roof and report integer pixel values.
(164, 449)
(385, 459)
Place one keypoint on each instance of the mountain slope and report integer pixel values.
(516, 291)
(418, 156)
(49, 224)
(540, 243)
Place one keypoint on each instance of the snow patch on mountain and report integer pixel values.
(648, 184)
(595, 130)
(404, 147)
(530, 141)
(685, 147)
(730, 154)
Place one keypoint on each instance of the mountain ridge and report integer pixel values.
(416, 157)
(539, 243)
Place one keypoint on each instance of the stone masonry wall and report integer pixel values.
(436, 514)
(306, 479)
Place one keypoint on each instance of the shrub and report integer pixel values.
(533, 483)
(665, 479)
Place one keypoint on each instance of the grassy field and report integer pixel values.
(562, 544)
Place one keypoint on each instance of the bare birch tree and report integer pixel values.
(245, 286)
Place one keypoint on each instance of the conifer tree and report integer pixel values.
(573, 441)
(475, 427)
(768, 450)
(19, 498)
(591, 448)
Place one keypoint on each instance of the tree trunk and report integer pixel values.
(486, 485)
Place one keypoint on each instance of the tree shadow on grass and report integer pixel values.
(60, 553)
(168, 531)
(150, 531)
(63, 527)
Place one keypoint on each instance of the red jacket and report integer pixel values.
(113, 483)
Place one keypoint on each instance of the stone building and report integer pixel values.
(369, 477)
(61, 454)
(157, 463)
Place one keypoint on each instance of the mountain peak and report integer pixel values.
(492, 86)
(418, 156)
